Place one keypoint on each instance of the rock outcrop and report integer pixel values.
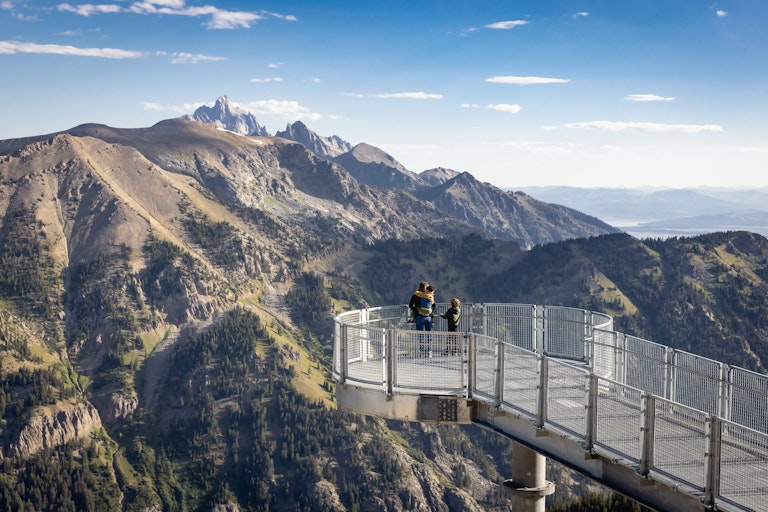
(49, 429)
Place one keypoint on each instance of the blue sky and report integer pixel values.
(661, 93)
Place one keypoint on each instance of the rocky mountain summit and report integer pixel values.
(229, 117)
(323, 147)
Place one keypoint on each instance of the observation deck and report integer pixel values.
(675, 431)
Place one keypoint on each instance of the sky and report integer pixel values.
(520, 93)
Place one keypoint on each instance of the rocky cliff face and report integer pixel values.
(55, 427)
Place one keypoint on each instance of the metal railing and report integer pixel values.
(666, 412)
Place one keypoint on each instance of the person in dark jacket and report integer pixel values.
(422, 304)
(453, 315)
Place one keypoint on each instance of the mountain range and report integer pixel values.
(667, 212)
(165, 304)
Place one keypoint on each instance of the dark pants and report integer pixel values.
(424, 323)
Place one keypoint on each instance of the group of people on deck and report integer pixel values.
(422, 307)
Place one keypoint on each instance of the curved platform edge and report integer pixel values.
(424, 408)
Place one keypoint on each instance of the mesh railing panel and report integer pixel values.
(521, 380)
(365, 354)
(510, 323)
(485, 367)
(680, 442)
(619, 419)
(644, 365)
(567, 397)
(743, 466)
(604, 354)
(748, 404)
(697, 382)
(416, 369)
(563, 329)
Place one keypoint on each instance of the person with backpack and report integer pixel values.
(422, 304)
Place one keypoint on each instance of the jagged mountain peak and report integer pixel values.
(324, 147)
(437, 176)
(228, 116)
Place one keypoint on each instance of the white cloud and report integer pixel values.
(506, 25)
(525, 80)
(192, 58)
(316, 80)
(647, 97)
(274, 65)
(408, 95)
(6, 4)
(721, 13)
(89, 9)
(290, 110)
(13, 47)
(620, 126)
(265, 80)
(181, 109)
(217, 18)
(501, 107)
(582, 14)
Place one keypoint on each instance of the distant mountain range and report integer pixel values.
(667, 212)
(504, 215)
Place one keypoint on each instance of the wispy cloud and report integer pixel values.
(7, 5)
(181, 109)
(501, 107)
(621, 126)
(582, 14)
(506, 25)
(525, 80)
(408, 95)
(13, 47)
(290, 110)
(647, 97)
(265, 80)
(192, 58)
(721, 13)
(217, 18)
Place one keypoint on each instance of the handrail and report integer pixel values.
(667, 412)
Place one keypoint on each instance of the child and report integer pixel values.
(453, 314)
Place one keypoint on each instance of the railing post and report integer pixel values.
(589, 338)
(542, 388)
(343, 359)
(499, 385)
(670, 375)
(471, 365)
(647, 433)
(390, 351)
(620, 355)
(713, 434)
(539, 325)
(724, 392)
(590, 432)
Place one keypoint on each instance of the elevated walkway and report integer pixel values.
(673, 430)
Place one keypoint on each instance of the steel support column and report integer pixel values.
(528, 488)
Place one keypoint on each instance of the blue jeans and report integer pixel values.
(423, 323)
